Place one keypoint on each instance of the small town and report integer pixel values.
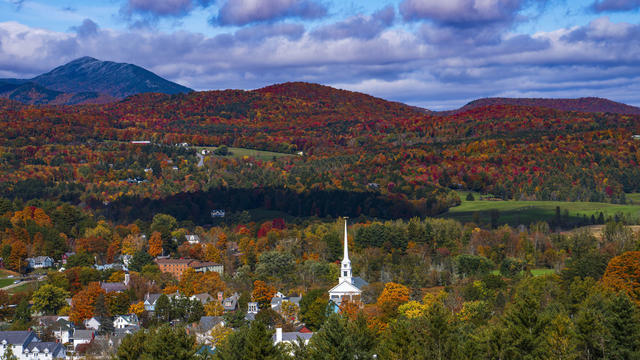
(319, 180)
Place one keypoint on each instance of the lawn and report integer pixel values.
(24, 287)
(242, 152)
(6, 282)
(525, 212)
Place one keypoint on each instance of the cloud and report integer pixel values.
(461, 12)
(162, 8)
(87, 28)
(243, 12)
(360, 26)
(615, 5)
(17, 3)
(427, 65)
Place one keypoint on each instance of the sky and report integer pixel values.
(437, 54)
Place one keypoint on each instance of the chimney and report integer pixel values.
(220, 296)
(126, 279)
(278, 335)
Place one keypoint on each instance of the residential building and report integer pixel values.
(349, 287)
(177, 266)
(203, 328)
(92, 324)
(204, 298)
(192, 239)
(291, 337)
(82, 337)
(25, 345)
(39, 262)
(231, 303)
(124, 321)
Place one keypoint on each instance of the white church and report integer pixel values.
(349, 287)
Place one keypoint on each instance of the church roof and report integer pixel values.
(359, 282)
(345, 287)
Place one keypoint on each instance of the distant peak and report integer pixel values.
(84, 59)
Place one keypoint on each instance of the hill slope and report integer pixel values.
(586, 104)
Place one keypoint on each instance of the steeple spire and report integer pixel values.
(346, 245)
(345, 269)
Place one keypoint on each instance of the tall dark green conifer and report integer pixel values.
(332, 341)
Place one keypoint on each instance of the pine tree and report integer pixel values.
(163, 308)
(22, 317)
(259, 345)
(362, 338)
(525, 329)
(332, 341)
(624, 326)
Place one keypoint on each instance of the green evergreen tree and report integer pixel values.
(22, 317)
(163, 308)
(259, 345)
(363, 339)
(331, 342)
(525, 329)
(624, 326)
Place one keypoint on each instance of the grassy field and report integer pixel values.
(6, 282)
(525, 212)
(242, 152)
(534, 272)
(24, 287)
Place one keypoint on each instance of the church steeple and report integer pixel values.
(345, 270)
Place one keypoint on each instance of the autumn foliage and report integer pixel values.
(623, 274)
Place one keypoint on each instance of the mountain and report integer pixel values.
(87, 80)
(118, 80)
(586, 104)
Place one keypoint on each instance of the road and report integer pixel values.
(201, 159)
(17, 284)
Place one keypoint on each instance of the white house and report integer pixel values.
(82, 337)
(192, 239)
(123, 321)
(290, 337)
(92, 324)
(25, 345)
(40, 262)
(349, 287)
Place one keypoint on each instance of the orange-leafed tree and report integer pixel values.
(391, 298)
(17, 256)
(83, 303)
(262, 293)
(155, 244)
(212, 253)
(137, 308)
(623, 274)
(190, 282)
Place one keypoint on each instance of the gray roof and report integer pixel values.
(209, 322)
(131, 329)
(83, 334)
(359, 282)
(293, 336)
(111, 287)
(152, 298)
(53, 347)
(203, 298)
(20, 338)
(276, 302)
(231, 303)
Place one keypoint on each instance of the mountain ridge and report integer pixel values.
(87, 80)
(583, 104)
